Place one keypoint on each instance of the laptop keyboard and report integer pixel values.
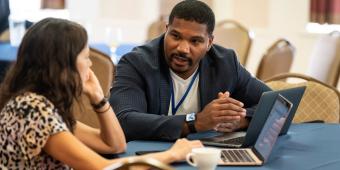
(236, 155)
(235, 141)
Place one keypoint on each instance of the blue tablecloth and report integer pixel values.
(305, 147)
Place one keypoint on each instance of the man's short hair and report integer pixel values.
(193, 10)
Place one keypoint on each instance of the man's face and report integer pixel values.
(185, 44)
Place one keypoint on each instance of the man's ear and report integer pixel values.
(210, 41)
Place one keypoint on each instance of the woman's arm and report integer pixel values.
(177, 152)
(110, 137)
(66, 148)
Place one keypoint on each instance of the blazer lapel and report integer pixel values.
(164, 86)
(205, 82)
(164, 93)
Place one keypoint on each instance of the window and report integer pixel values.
(324, 16)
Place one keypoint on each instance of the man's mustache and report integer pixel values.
(182, 56)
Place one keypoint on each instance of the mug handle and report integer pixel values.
(190, 160)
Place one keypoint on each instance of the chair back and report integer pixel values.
(231, 34)
(104, 69)
(319, 102)
(325, 59)
(156, 29)
(135, 163)
(278, 59)
(4, 36)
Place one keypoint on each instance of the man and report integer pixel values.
(182, 83)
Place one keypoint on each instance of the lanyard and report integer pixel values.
(175, 107)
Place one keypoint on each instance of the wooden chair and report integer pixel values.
(156, 29)
(278, 59)
(4, 36)
(231, 34)
(325, 59)
(104, 69)
(138, 164)
(319, 102)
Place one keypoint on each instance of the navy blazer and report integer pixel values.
(141, 92)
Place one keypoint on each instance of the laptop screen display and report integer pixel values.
(272, 127)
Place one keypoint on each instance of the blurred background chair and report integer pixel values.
(231, 34)
(278, 59)
(136, 163)
(4, 24)
(156, 28)
(4, 36)
(104, 69)
(320, 102)
(325, 59)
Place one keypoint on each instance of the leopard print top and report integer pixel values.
(26, 123)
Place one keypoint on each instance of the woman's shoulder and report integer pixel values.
(31, 96)
(33, 106)
(29, 119)
(31, 100)
(36, 110)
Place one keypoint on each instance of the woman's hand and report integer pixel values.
(92, 88)
(182, 147)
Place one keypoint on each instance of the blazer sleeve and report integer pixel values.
(129, 101)
(248, 89)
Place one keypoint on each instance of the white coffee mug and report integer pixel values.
(204, 158)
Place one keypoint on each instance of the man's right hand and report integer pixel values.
(221, 110)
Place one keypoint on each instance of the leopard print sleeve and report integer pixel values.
(28, 121)
(46, 122)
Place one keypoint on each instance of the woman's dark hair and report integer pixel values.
(46, 65)
(193, 10)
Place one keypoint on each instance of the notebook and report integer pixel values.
(259, 153)
(247, 139)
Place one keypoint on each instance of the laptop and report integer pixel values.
(247, 139)
(259, 153)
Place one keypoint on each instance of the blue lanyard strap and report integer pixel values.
(175, 107)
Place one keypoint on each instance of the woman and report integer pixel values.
(37, 128)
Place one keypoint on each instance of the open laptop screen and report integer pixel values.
(272, 127)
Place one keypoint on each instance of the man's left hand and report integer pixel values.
(228, 126)
(231, 125)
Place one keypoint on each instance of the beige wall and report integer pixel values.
(166, 6)
(126, 21)
(102, 18)
(129, 9)
(268, 19)
(245, 11)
